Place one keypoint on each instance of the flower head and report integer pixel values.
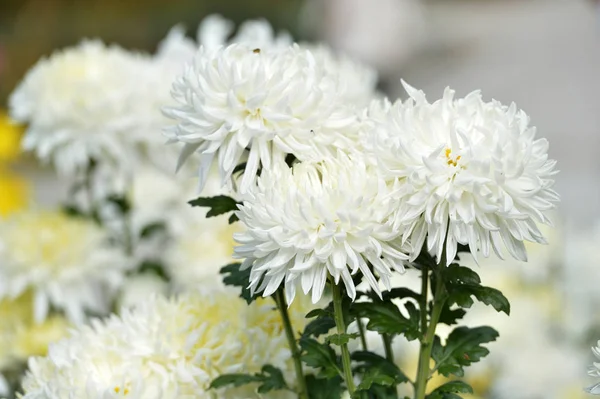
(244, 103)
(66, 262)
(164, 348)
(318, 220)
(80, 104)
(594, 371)
(468, 172)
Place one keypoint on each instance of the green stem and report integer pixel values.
(341, 329)
(363, 333)
(423, 372)
(387, 346)
(289, 332)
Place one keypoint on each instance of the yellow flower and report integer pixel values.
(20, 336)
(10, 138)
(14, 191)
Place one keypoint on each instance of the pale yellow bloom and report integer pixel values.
(14, 191)
(10, 138)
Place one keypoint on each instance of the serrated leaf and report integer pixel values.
(321, 356)
(318, 313)
(449, 316)
(462, 348)
(461, 274)
(319, 326)
(234, 276)
(386, 318)
(447, 390)
(270, 379)
(340, 339)
(324, 388)
(400, 292)
(463, 294)
(377, 370)
(218, 205)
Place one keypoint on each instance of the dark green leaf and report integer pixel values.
(323, 388)
(218, 205)
(451, 316)
(319, 326)
(149, 266)
(233, 218)
(234, 276)
(400, 292)
(270, 379)
(462, 294)
(377, 370)
(318, 355)
(449, 389)
(462, 348)
(340, 339)
(153, 228)
(460, 274)
(319, 313)
(385, 317)
(120, 202)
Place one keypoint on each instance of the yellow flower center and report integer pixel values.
(450, 160)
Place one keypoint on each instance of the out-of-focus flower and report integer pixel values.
(66, 262)
(467, 170)
(81, 103)
(14, 193)
(318, 220)
(163, 349)
(20, 336)
(139, 288)
(10, 138)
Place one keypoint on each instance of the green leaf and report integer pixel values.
(234, 276)
(340, 339)
(462, 294)
(377, 370)
(218, 205)
(233, 218)
(319, 326)
(386, 318)
(324, 388)
(400, 292)
(270, 379)
(149, 266)
(462, 348)
(120, 202)
(449, 389)
(461, 274)
(319, 313)
(318, 355)
(449, 316)
(153, 228)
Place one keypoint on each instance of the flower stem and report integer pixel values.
(363, 334)
(289, 332)
(341, 329)
(387, 346)
(439, 299)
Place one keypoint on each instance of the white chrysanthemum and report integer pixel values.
(198, 251)
(315, 220)
(594, 371)
(66, 262)
(469, 170)
(163, 349)
(240, 98)
(80, 104)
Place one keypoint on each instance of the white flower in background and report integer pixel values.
(198, 250)
(469, 170)
(66, 262)
(594, 371)
(315, 220)
(241, 97)
(163, 349)
(81, 104)
(139, 288)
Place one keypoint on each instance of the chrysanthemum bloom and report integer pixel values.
(242, 100)
(163, 349)
(80, 104)
(66, 262)
(594, 371)
(467, 170)
(318, 220)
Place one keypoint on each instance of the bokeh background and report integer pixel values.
(542, 54)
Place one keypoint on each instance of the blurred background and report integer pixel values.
(542, 54)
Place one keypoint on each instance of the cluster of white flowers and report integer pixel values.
(162, 349)
(66, 262)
